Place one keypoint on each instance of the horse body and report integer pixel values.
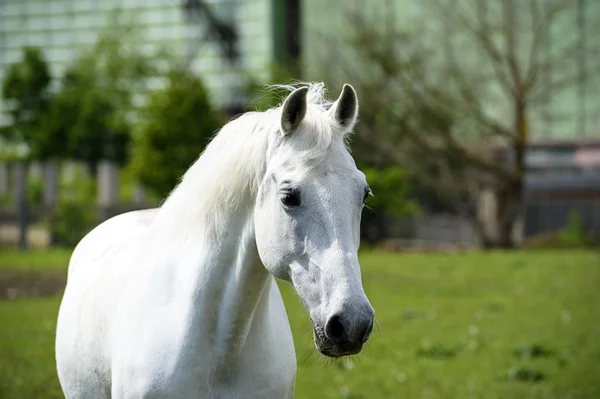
(166, 319)
(181, 302)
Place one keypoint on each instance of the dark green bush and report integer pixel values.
(26, 85)
(75, 213)
(6, 199)
(391, 191)
(574, 235)
(177, 123)
(35, 191)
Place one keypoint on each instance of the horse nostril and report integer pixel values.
(336, 330)
(367, 332)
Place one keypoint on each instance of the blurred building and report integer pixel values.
(563, 179)
(572, 113)
(261, 32)
(563, 159)
(241, 37)
(227, 40)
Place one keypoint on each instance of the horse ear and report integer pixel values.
(345, 109)
(294, 110)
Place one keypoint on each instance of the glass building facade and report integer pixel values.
(566, 113)
(61, 28)
(267, 33)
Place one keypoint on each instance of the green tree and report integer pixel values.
(454, 100)
(95, 108)
(176, 124)
(392, 191)
(26, 88)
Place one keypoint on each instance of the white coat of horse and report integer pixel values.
(181, 302)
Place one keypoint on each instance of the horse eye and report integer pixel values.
(367, 193)
(290, 199)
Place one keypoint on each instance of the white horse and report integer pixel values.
(180, 301)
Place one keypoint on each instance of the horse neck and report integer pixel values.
(244, 284)
(214, 236)
(222, 280)
(236, 281)
(223, 181)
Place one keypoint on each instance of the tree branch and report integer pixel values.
(482, 34)
(439, 98)
(564, 82)
(508, 29)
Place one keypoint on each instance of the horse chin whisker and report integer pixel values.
(309, 358)
(377, 325)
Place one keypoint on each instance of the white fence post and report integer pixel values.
(35, 170)
(486, 209)
(68, 172)
(108, 186)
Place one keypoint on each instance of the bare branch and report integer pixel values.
(450, 148)
(537, 68)
(482, 33)
(440, 98)
(540, 32)
(508, 29)
(564, 82)
(445, 183)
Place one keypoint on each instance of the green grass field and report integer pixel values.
(497, 325)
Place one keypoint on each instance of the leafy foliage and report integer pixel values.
(35, 191)
(95, 106)
(176, 124)
(574, 235)
(443, 99)
(75, 214)
(90, 117)
(391, 191)
(26, 89)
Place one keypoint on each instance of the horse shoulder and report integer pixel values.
(109, 235)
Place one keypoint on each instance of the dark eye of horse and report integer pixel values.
(290, 198)
(367, 193)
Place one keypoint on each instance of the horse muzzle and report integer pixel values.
(343, 336)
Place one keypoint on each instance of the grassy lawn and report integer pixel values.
(27, 349)
(498, 325)
(56, 260)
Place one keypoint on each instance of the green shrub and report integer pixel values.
(574, 235)
(35, 191)
(75, 213)
(6, 199)
(391, 191)
(177, 123)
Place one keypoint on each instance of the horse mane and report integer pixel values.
(227, 174)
